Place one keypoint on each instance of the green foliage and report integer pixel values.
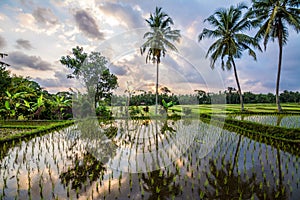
(59, 105)
(91, 68)
(5, 80)
(102, 111)
(167, 105)
(159, 39)
(273, 19)
(134, 111)
(229, 25)
(24, 129)
(75, 63)
(187, 111)
(160, 36)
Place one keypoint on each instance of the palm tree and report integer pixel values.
(158, 39)
(273, 17)
(231, 41)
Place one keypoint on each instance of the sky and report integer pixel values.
(36, 34)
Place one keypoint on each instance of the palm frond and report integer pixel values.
(160, 37)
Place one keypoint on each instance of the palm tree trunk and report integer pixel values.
(156, 89)
(238, 85)
(278, 74)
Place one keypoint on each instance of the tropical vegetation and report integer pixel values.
(159, 39)
(194, 147)
(274, 18)
(229, 27)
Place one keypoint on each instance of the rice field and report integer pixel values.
(287, 121)
(148, 159)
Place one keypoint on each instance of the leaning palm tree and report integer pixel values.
(273, 17)
(231, 41)
(158, 40)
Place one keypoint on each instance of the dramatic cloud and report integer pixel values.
(87, 24)
(25, 44)
(118, 70)
(50, 28)
(125, 14)
(19, 60)
(2, 42)
(44, 16)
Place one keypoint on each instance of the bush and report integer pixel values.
(134, 110)
(187, 111)
(102, 111)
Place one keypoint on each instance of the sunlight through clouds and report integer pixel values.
(54, 27)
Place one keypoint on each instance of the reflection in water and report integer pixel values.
(148, 145)
(87, 163)
(160, 185)
(87, 168)
(288, 121)
(225, 183)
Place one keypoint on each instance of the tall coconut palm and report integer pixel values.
(229, 26)
(159, 38)
(274, 16)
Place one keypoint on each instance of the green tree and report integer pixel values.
(97, 77)
(274, 16)
(230, 25)
(158, 40)
(75, 63)
(5, 81)
(91, 68)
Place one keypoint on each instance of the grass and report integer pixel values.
(250, 108)
(262, 108)
(13, 130)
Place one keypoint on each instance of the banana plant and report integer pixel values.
(35, 108)
(13, 103)
(167, 105)
(38, 106)
(60, 104)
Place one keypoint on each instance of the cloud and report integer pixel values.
(44, 16)
(125, 14)
(118, 70)
(2, 42)
(87, 24)
(60, 80)
(25, 44)
(19, 60)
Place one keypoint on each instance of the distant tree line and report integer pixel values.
(201, 97)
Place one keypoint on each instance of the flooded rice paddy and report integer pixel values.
(148, 159)
(287, 121)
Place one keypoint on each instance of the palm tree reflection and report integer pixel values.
(225, 184)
